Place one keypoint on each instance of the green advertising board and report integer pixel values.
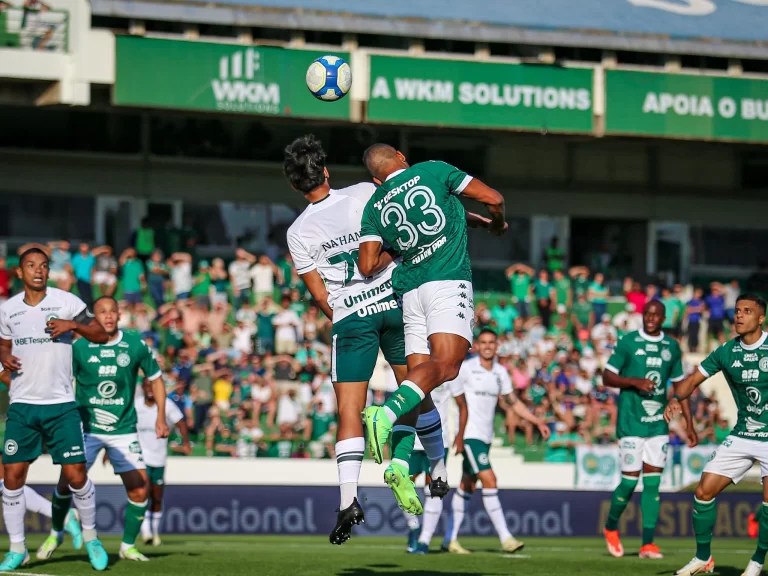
(479, 94)
(218, 78)
(686, 106)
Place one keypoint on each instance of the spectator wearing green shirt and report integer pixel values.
(144, 240)
(563, 292)
(544, 292)
(220, 282)
(672, 308)
(554, 256)
(561, 446)
(504, 316)
(677, 292)
(201, 285)
(132, 277)
(520, 277)
(598, 295)
(265, 331)
(158, 275)
(582, 314)
(580, 277)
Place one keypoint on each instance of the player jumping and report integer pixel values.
(641, 365)
(155, 452)
(416, 211)
(36, 348)
(324, 243)
(420, 537)
(485, 383)
(744, 364)
(106, 383)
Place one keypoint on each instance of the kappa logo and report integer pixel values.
(94, 360)
(753, 425)
(640, 352)
(737, 364)
(651, 407)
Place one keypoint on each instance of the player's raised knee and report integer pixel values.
(705, 493)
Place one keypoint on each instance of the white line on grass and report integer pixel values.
(516, 556)
(17, 572)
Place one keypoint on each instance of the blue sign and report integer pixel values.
(743, 20)
(312, 510)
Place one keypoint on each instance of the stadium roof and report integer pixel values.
(729, 28)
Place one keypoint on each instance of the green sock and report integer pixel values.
(762, 536)
(704, 518)
(60, 508)
(649, 505)
(759, 512)
(403, 439)
(619, 501)
(407, 397)
(134, 516)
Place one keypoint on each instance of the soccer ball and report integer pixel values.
(329, 78)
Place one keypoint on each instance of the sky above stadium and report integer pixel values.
(743, 20)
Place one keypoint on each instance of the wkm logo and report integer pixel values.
(236, 90)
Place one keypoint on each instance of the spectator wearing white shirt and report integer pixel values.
(603, 329)
(263, 275)
(287, 328)
(629, 320)
(240, 276)
(180, 265)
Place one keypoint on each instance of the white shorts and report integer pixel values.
(735, 456)
(635, 451)
(104, 278)
(440, 307)
(123, 450)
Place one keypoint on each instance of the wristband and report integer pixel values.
(676, 397)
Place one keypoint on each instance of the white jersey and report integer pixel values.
(46, 365)
(441, 396)
(155, 449)
(482, 388)
(326, 237)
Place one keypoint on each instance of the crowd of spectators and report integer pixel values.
(246, 354)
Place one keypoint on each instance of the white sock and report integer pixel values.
(411, 520)
(433, 508)
(36, 503)
(495, 513)
(156, 518)
(85, 502)
(430, 431)
(459, 505)
(146, 526)
(14, 508)
(349, 461)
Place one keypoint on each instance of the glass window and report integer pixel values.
(728, 246)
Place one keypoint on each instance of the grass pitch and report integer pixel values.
(361, 556)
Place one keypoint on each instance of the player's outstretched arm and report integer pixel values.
(493, 201)
(690, 428)
(461, 402)
(314, 283)
(519, 408)
(186, 447)
(683, 391)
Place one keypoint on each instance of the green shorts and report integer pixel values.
(418, 463)
(29, 425)
(156, 475)
(476, 457)
(357, 338)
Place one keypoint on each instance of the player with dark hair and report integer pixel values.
(416, 211)
(744, 364)
(485, 383)
(641, 365)
(36, 348)
(324, 242)
(106, 377)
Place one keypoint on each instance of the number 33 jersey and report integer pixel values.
(326, 237)
(105, 381)
(417, 211)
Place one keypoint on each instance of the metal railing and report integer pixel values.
(30, 30)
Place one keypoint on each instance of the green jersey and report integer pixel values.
(563, 290)
(417, 211)
(745, 368)
(655, 358)
(105, 376)
(521, 286)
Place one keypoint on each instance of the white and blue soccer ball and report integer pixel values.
(329, 78)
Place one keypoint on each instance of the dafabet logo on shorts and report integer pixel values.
(11, 447)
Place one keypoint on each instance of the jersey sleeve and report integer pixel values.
(369, 230)
(78, 310)
(677, 373)
(712, 364)
(172, 413)
(301, 258)
(455, 180)
(5, 332)
(148, 364)
(506, 382)
(619, 357)
(362, 191)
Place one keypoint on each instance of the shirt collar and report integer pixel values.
(116, 339)
(650, 338)
(395, 173)
(756, 345)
